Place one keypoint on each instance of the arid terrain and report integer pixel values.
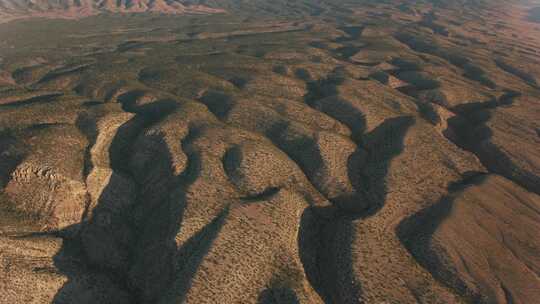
(269, 152)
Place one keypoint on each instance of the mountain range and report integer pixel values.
(16, 9)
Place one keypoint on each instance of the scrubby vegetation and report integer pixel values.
(281, 152)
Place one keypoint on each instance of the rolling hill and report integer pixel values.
(265, 152)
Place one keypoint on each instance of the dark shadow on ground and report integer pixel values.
(46, 98)
(416, 234)
(325, 241)
(100, 248)
(128, 242)
(278, 296)
(472, 133)
(11, 155)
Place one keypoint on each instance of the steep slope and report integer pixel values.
(488, 211)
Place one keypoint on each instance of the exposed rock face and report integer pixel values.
(360, 152)
(48, 184)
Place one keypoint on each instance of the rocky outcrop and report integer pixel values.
(47, 183)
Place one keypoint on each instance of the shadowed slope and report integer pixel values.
(471, 240)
